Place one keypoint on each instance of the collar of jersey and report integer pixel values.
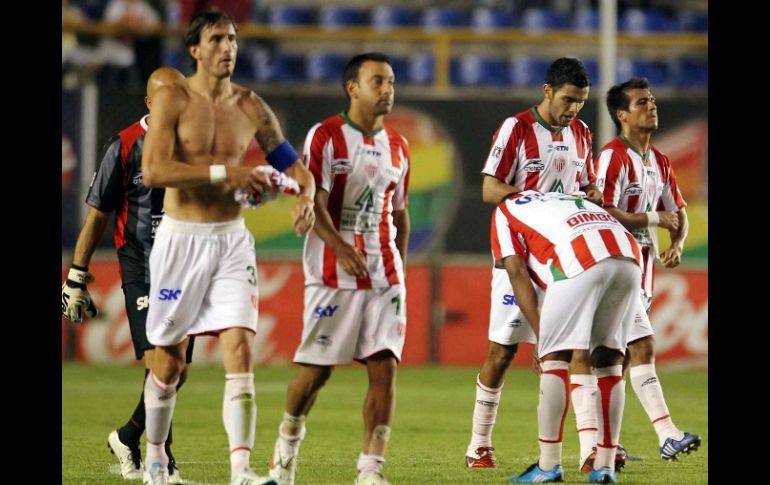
(539, 119)
(347, 120)
(644, 155)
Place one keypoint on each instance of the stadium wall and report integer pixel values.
(679, 314)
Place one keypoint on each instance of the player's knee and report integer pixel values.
(500, 356)
(605, 357)
(580, 362)
(183, 376)
(642, 351)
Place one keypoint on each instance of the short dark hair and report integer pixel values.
(350, 72)
(199, 22)
(567, 70)
(618, 99)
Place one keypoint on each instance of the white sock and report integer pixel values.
(239, 413)
(379, 440)
(291, 432)
(159, 402)
(647, 387)
(584, 392)
(484, 415)
(610, 401)
(551, 411)
(369, 463)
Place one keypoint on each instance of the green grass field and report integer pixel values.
(430, 430)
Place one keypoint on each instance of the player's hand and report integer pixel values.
(595, 196)
(303, 215)
(671, 257)
(537, 362)
(75, 300)
(668, 220)
(351, 259)
(248, 178)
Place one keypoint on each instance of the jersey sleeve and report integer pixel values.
(503, 238)
(401, 193)
(671, 199)
(501, 160)
(107, 189)
(610, 176)
(317, 155)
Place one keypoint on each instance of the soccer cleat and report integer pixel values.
(248, 477)
(627, 456)
(130, 458)
(157, 474)
(371, 478)
(535, 474)
(602, 475)
(282, 469)
(484, 458)
(620, 460)
(173, 473)
(672, 448)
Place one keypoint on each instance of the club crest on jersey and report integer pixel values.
(340, 166)
(371, 170)
(633, 189)
(497, 152)
(560, 163)
(535, 165)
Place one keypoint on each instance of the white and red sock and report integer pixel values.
(647, 387)
(239, 413)
(551, 411)
(611, 401)
(584, 392)
(484, 416)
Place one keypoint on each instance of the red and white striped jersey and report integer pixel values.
(558, 235)
(367, 178)
(635, 183)
(530, 154)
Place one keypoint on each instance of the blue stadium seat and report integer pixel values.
(488, 19)
(421, 68)
(476, 70)
(400, 67)
(528, 71)
(386, 17)
(437, 18)
(693, 21)
(325, 67)
(336, 16)
(592, 66)
(657, 72)
(693, 73)
(281, 16)
(585, 20)
(540, 19)
(282, 68)
(636, 21)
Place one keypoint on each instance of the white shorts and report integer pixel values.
(595, 308)
(507, 324)
(341, 325)
(642, 327)
(203, 280)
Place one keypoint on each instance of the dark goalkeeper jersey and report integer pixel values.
(117, 186)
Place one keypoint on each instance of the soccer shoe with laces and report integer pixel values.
(620, 460)
(672, 448)
(535, 474)
(282, 469)
(483, 457)
(371, 478)
(156, 474)
(130, 458)
(602, 475)
(248, 477)
(173, 473)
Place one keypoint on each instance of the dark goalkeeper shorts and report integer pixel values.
(137, 303)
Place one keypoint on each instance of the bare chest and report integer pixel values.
(206, 130)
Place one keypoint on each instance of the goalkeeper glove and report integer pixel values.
(75, 300)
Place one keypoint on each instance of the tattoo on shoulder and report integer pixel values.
(269, 134)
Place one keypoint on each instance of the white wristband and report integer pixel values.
(217, 173)
(652, 219)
